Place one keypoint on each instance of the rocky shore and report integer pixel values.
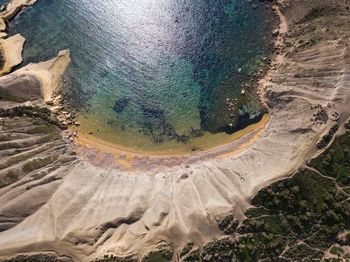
(56, 206)
(11, 47)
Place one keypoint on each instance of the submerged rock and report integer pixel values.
(120, 105)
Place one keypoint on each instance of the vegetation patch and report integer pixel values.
(30, 111)
(37, 163)
(328, 137)
(112, 258)
(301, 218)
(161, 253)
(39, 257)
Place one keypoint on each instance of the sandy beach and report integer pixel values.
(90, 200)
(228, 145)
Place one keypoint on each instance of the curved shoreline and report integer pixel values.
(125, 159)
(86, 211)
(112, 131)
(86, 141)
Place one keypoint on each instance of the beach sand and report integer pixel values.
(206, 147)
(85, 211)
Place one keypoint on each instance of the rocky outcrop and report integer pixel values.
(48, 73)
(11, 47)
(11, 52)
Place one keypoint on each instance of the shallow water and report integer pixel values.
(154, 74)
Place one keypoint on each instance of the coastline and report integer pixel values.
(11, 47)
(85, 212)
(278, 57)
(94, 148)
(87, 141)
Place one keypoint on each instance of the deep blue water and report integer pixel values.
(161, 68)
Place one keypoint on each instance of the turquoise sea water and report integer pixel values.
(154, 71)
